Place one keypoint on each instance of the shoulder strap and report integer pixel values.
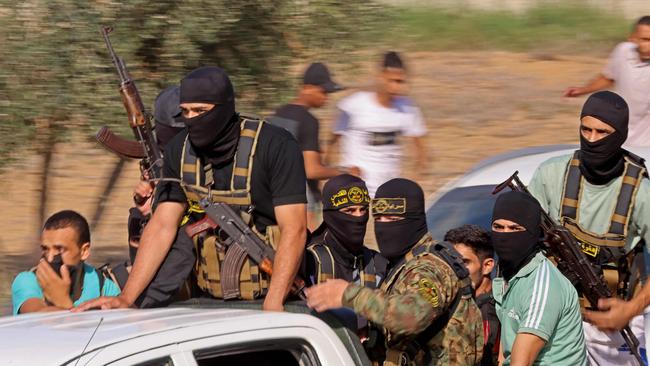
(325, 260)
(196, 184)
(632, 177)
(374, 268)
(572, 185)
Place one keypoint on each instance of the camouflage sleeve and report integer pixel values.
(418, 297)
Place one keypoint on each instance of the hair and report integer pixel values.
(393, 60)
(644, 20)
(474, 237)
(68, 218)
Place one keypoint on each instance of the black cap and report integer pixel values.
(166, 109)
(344, 190)
(318, 74)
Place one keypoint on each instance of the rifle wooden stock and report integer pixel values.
(139, 121)
(118, 145)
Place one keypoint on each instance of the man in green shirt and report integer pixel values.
(602, 195)
(537, 306)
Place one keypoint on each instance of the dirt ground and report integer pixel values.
(476, 104)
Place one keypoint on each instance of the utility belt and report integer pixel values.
(383, 138)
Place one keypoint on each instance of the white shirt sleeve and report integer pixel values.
(611, 70)
(417, 126)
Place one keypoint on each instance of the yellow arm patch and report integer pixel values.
(429, 292)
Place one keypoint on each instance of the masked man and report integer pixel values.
(602, 195)
(425, 305)
(62, 279)
(537, 306)
(336, 249)
(255, 168)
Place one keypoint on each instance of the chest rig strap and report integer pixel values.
(367, 265)
(620, 218)
(198, 178)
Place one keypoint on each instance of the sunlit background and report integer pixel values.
(488, 76)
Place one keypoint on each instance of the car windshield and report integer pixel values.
(459, 206)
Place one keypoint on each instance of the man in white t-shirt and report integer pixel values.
(371, 124)
(628, 70)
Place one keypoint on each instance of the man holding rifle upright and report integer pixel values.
(255, 168)
(601, 194)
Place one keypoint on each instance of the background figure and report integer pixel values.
(371, 122)
(628, 70)
(61, 279)
(475, 246)
(317, 85)
(537, 306)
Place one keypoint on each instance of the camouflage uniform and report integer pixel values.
(422, 293)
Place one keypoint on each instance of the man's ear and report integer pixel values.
(488, 266)
(85, 251)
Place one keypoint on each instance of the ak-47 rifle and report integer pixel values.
(146, 147)
(241, 242)
(573, 263)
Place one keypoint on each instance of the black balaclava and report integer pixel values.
(345, 230)
(516, 249)
(167, 113)
(405, 198)
(602, 160)
(214, 133)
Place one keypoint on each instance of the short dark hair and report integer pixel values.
(474, 237)
(393, 60)
(68, 218)
(644, 20)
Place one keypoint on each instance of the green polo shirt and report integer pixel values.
(539, 300)
(547, 186)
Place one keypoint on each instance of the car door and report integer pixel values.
(291, 346)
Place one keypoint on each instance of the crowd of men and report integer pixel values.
(434, 302)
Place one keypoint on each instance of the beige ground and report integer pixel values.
(476, 105)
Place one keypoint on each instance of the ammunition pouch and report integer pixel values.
(224, 271)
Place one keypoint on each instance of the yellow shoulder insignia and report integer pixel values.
(430, 293)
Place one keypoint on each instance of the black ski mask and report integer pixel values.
(404, 198)
(214, 133)
(345, 230)
(516, 249)
(603, 160)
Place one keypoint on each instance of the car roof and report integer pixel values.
(498, 168)
(45, 338)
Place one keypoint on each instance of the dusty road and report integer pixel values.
(476, 105)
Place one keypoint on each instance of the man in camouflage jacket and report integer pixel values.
(425, 305)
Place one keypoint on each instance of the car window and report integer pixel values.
(459, 206)
(163, 361)
(285, 352)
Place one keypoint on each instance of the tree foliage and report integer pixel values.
(55, 72)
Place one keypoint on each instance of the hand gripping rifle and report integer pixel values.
(241, 242)
(146, 147)
(572, 262)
